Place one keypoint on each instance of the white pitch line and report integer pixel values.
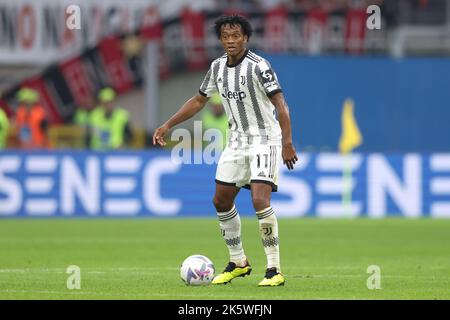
(365, 276)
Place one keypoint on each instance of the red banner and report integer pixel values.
(114, 63)
(77, 80)
(184, 44)
(152, 30)
(355, 31)
(151, 27)
(276, 29)
(315, 29)
(193, 26)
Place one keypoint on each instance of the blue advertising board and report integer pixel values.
(151, 184)
(401, 105)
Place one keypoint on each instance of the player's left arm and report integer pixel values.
(288, 152)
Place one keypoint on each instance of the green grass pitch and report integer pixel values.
(140, 258)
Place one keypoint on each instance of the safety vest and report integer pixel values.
(81, 117)
(107, 132)
(29, 126)
(209, 120)
(4, 128)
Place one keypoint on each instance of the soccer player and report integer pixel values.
(260, 135)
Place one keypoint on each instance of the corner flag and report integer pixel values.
(351, 136)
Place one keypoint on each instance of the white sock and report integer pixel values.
(268, 226)
(230, 225)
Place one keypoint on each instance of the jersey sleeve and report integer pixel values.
(208, 86)
(267, 78)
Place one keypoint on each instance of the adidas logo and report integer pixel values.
(261, 174)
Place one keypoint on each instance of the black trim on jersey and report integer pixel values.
(272, 161)
(225, 183)
(252, 59)
(240, 60)
(202, 93)
(274, 92)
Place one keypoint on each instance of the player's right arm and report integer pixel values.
(189, 109)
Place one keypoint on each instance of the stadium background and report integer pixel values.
(155, 54)
(323, 55)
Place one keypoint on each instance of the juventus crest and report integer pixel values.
(267, 231)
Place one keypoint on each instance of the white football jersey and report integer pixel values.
(245, 88)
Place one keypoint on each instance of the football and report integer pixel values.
(197, 270)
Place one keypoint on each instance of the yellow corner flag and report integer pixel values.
(351, 136)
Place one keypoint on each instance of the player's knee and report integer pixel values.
(260, 203)
(221, 204)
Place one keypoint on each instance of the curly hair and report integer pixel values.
(233, 20)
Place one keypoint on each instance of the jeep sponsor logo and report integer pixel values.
(234, 95)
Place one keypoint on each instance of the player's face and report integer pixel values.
(233, 39)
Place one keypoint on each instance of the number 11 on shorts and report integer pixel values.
(258, 160)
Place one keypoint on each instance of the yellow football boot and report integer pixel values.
(232, 271)
(272, 279)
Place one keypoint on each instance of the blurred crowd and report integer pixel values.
(397, 12)
(303, 5)
(172, 7)
(100, 124)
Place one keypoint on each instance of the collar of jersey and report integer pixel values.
(240, 60)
